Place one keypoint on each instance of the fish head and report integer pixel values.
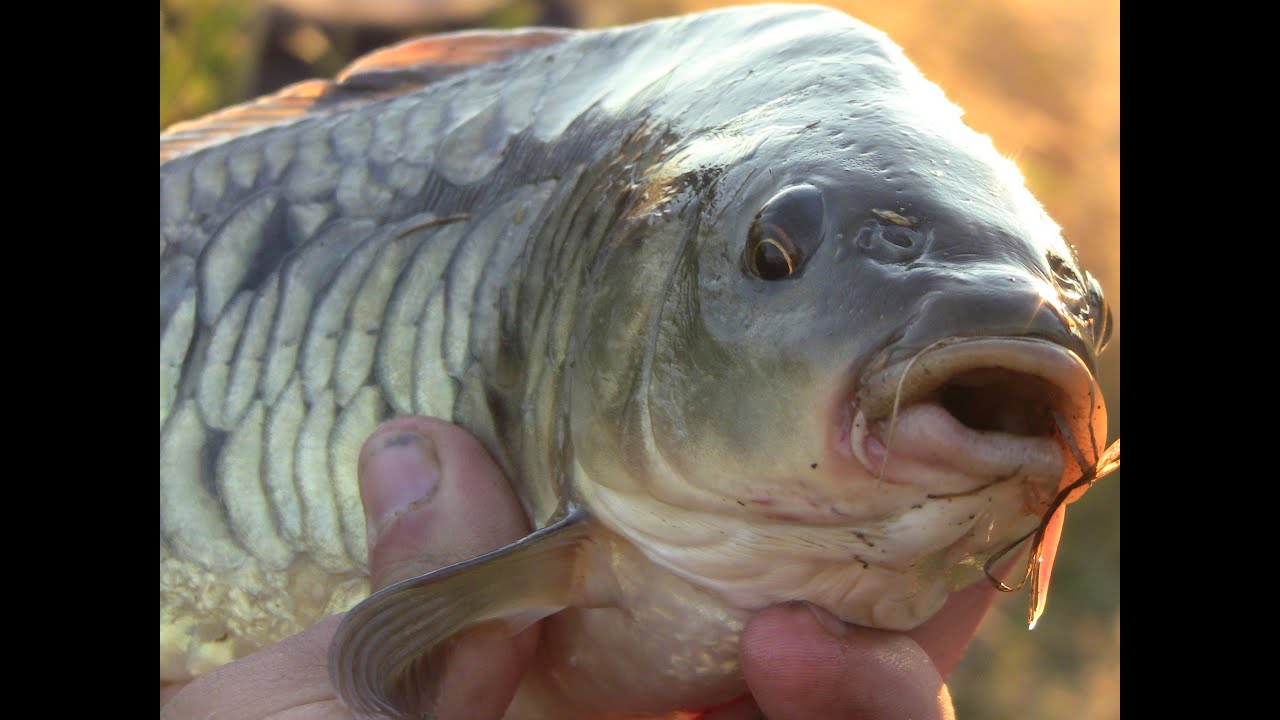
(839, 331)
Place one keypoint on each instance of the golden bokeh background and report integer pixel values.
(1041, 77)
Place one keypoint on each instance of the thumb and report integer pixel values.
(433, 497)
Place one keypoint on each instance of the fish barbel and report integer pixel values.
(739, 304)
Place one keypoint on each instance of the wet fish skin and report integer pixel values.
(550, 255)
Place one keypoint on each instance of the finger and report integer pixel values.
(286, 680)
(801, 662)
(946, 635)
(433, 496)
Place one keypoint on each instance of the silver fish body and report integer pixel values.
(674, 276)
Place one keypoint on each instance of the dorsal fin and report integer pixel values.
(436, 56)
(381, 74)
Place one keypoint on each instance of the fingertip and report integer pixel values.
(433, 496)
(798, 664)
(399, 469)
(787, 656)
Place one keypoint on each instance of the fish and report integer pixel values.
(737, 301)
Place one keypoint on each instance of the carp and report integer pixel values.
(743, 309)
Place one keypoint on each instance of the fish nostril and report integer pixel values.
(889, 242)
(900, 240)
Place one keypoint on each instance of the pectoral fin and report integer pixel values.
(388, 654)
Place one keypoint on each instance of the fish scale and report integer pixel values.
(217, 362)
(176, 332)
(243, 493)
(358, 343)
(412, 314)
(251, 351)
(284, 418)
(356, 421)
(329, 317)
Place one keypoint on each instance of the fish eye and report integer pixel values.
(774, 258)
(786, 231)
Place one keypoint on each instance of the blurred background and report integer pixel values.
(1041, 77)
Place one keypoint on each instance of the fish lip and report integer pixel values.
(869, 407)
(944, 360)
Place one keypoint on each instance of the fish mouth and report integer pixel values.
(967, 413)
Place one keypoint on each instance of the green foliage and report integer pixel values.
(206, 54)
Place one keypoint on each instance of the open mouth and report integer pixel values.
(967, 413)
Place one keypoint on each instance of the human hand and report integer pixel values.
(802, 662)
(433, 496)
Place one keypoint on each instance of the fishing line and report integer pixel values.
(1103, 465)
